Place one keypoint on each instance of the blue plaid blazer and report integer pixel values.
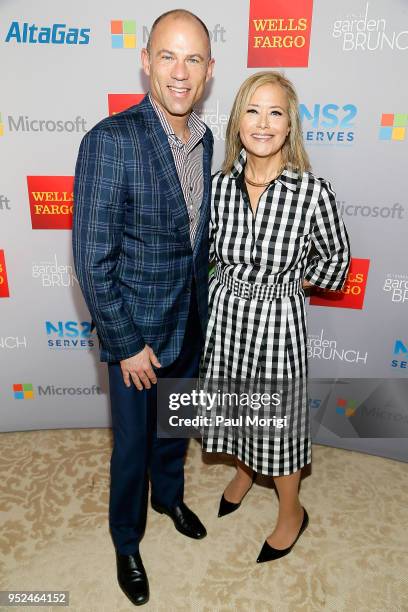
(131, 236)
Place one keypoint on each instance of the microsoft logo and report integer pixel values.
(123, 34)
(393, 126)
(346, 408)
(23, 391)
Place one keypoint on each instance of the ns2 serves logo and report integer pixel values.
(70, 334)
(328, 123)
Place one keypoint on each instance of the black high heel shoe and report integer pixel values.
(226, 507)
(270, 554)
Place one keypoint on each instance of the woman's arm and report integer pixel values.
(328, 268)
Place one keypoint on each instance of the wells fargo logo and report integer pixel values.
(51, 201)
(4, 288)
(353, 292)
(279, 33)
(120, 102)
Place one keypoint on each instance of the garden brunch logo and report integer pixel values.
(279, 33)
(396, 286)
(367, 32)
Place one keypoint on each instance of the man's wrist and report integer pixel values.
(131, 351)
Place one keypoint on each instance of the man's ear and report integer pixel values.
(210, 69)
(145, 61)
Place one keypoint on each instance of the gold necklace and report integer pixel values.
(257, 184)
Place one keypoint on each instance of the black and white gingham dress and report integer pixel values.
(258, 338)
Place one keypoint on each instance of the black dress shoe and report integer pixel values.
(270, 554)
(132, 578)
(226, 507)
(184, 519)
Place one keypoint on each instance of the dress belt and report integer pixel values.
(258, 291)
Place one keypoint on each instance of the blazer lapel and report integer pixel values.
(160, 153)
(205, 203)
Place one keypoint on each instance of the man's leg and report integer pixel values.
(129, 483)
(167, 458)
(168, 454)
(129, 462)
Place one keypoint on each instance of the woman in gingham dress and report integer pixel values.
(268, 211)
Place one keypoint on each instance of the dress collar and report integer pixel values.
(288, 178)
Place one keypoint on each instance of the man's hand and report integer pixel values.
(306, 284)
(139, 369)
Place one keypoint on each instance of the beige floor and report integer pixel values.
(54, 536)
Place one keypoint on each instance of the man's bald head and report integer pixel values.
(178, 62)
(179, 14)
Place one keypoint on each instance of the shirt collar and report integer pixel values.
(196, 126)
(288, 178)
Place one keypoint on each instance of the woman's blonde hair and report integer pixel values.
(293, 150)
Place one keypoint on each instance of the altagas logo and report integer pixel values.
(279, 33)
(56, 34)
(51, 201)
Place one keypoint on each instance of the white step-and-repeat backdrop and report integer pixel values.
(66, 65)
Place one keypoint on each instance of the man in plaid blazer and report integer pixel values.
(140, 242)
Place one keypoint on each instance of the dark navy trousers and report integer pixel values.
(137, 451)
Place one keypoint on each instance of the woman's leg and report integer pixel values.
(240, 484)
(290, 511)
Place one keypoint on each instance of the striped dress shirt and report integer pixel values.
(188, 159)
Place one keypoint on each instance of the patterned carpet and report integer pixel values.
(54, 535)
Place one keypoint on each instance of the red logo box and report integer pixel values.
(279, 33)
(353, 292)
(120, 102)
(51, 201)
(4, 288)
